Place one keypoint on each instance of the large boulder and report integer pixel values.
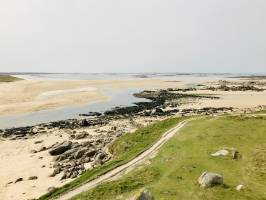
(143, 195)
(222, 152)
(61, 148)
(209, 179)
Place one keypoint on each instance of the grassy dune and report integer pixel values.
(173, 173)
(124, 149)
(8, 78)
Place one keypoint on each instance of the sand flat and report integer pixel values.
(31, 95)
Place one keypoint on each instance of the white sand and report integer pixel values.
(241, 100)
(18, 162)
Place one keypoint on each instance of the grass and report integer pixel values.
(124, 149)
(8, 78)
(182, 160)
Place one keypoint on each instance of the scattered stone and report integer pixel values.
(235, 154)
(19, 180)
(50, 189)
(33, 178)
(42, 149)
(209, 179)
(240, 188)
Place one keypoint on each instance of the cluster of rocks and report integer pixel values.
(159, 100)
(210, 179)
(235, 88)
(31, 178)
(20, 132)
(70, 157)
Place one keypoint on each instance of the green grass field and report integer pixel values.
(173, 173)
(8, 78)
(124, 149)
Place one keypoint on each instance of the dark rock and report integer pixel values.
(81, 136)
(33, 178)
(61, 148)
(74, 174)
(80, 153)
(33, 151)
(19, 180)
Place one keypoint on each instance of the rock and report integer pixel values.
(84, 122)
(56, 171)
(19, 180)
(80, 153)
(33, 178)
(50, 189)
(235, 154)
(240, 188)
(209, 179)
(61, 148)
(91, 153)
(74, 174)
(222, 152)
(42, 149)
(38, 141)
(81, 136)
(33, 151)
(144, 195)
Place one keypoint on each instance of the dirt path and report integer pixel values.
(130, 165)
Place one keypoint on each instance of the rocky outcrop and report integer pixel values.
(70, 160)
(61, 148)
(236, 88)
(209, 179)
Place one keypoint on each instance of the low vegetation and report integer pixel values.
(173, 173)
(8, 78)
(124, 149)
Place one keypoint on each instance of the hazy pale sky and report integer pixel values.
(133, 35)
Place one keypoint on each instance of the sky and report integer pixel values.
(91, 36)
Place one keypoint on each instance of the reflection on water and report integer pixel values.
(117, 98)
